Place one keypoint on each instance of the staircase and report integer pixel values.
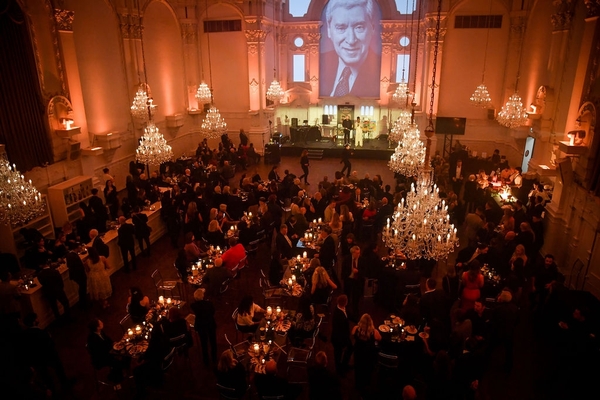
(315, 154)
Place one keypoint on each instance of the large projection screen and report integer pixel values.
(350, 49)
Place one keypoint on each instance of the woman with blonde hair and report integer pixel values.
(508, 221)
(231, 373)
(519, 253)
(214, 236)
(365, 352)
(336, 224)
(321, 286)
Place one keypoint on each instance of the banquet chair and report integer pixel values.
(370, 287)
(243, 329)
(180, 344)
(253, 247)
(323, 311)
(239, 350)
(388, 361)
(277, 397)
(101, 378)
(168, 360)
(227, 393)
(126, 322)
(182, 285)
(298, 358)
(164, 285)
(413, 289)
(268, 291)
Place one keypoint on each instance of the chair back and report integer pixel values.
(168, 360)
(413, 289)
(278, 397)
(126, 323)
(156, 277)
(228, 393)
(387, 360)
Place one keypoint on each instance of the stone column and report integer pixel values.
(64, 22)
(259, 120)
(189, 35)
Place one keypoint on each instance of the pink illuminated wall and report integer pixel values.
(164, 59)
(102, 72)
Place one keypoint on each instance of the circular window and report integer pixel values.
(404, 41)
(299, 42)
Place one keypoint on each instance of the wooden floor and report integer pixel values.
(190, 379)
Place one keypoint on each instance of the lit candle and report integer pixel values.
(294, 278)
(263, 361)
(256, 347)
(161, 299)
(314, 221)
(138, 329)
(212, 248)
(232, 227)
(250, 215)
(304, 255)
(298, 258)
(278, 310)
(168, 300)
(306, 235)
(218, 248)
(269, 310)
(320, 220)
(290, 282)
(129, 332)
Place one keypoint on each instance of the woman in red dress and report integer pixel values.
(472, 281)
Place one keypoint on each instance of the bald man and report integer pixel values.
(409, 393)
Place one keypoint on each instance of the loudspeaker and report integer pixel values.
(295, 122)
(325, 120)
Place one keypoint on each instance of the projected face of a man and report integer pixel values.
(350, 31)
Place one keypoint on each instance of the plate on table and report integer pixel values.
(411, 330)
(137, 349)
(118, 346)
(424, 335)
(384, 328)
(398, 321)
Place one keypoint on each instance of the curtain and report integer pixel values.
(23, 122)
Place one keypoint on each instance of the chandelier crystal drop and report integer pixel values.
(142, 104)
(401, 94)
(513, 114)
(213, 125)
(420, 227)
(203, 94)
(409, 157)
(20, 201)
(481, 97)
(401, 124)
(275, 92)
(153, 148)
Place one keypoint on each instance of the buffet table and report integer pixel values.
(32, 299)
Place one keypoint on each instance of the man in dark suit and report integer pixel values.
(274, 174)
(98, 243)
(142, 230)
(215, 277)
(353, 277)
(347, 125)
(99, 209)
(40, 352)
(434, 304)
(340, 336)
(327, 251)
(353, 67)
(457, 177)
(77, 274)
(126, 242)
(346, 153)
(53, 289)
(284, 243)
(322, 384)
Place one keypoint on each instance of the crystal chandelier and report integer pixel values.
(481, 97)
(213, 125)
(409, 157)
(142, 107)
(20, 201)
(400, 96)
(153, 148)
(275, 92)
(513, 114)
(401, 124)
(203, 94)
(420, 226)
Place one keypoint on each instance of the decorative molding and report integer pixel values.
(313, 37)
(189, 32)
(386, 49)
(131, 26)
(252, 49)
(253, 85)
(592, 77)
(64, 19)
(58, 58)
(561, 21)
(387, 37)
(255, 35)
(314, 49)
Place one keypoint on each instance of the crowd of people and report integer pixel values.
(466, 317)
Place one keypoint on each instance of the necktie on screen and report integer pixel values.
(343, 86)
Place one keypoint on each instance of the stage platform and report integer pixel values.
(375, 149)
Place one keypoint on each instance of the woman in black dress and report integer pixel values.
(304, 163)
(365, 352)
(112, 201)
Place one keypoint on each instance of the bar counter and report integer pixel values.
(32, 299)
